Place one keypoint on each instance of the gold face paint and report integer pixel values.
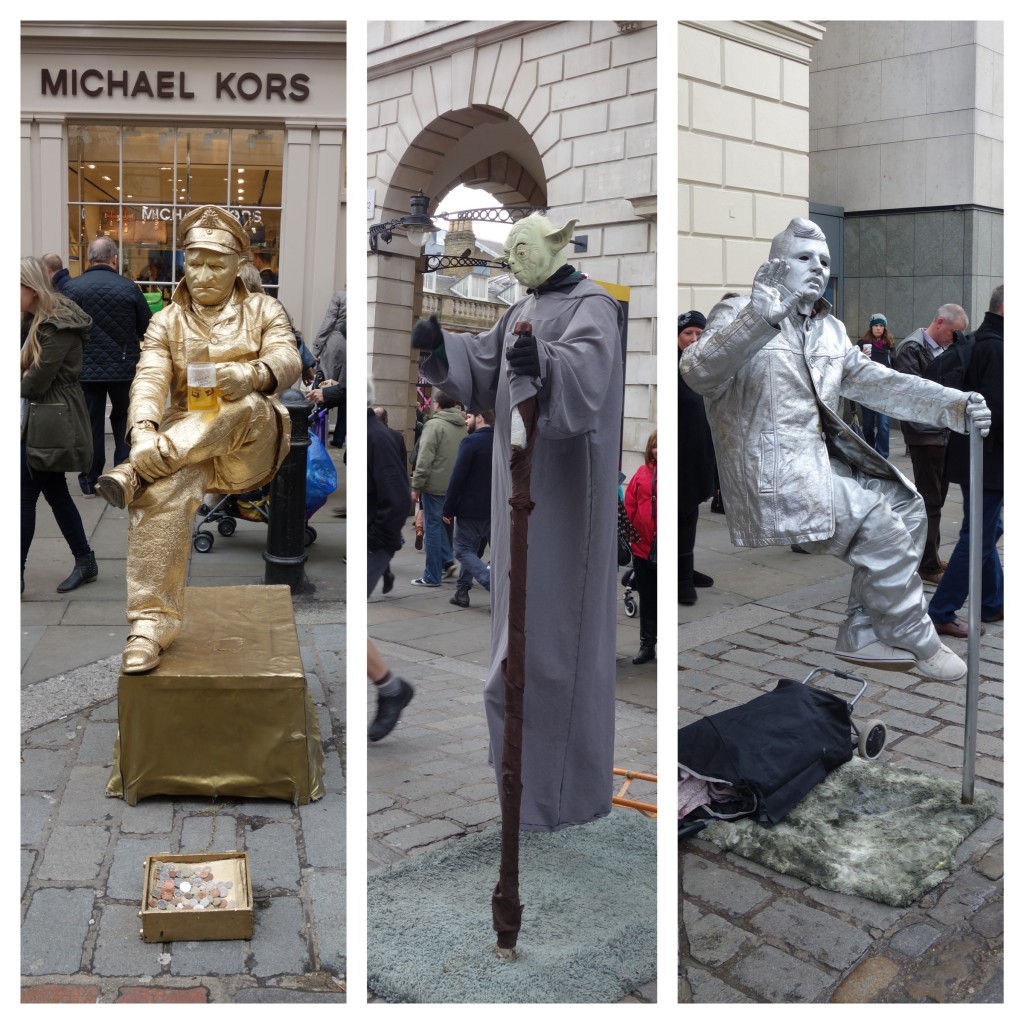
(210, 275)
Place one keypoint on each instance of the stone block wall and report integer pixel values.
(743, 165)
(907, 265)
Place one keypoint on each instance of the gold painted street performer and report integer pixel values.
(570, 360)
(772, 367)
(178, 455)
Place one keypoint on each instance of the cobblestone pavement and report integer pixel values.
(429, 782)
(748, 934)
(82, 853)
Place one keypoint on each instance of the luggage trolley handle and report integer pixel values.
(842, 675)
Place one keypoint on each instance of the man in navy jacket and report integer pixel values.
(120, 316)
(468, 502)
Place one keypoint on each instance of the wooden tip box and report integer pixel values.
(178, 925)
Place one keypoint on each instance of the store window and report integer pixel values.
(134, 184)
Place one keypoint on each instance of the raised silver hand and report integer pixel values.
(770, 297)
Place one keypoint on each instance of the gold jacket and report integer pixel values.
(250, 328)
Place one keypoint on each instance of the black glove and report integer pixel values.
(426, 334)
(523, 357)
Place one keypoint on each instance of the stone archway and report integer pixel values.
(472, 146)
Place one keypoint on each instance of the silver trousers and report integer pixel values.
(881, 530)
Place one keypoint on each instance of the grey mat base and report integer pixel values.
(874, 830)
(589, 921)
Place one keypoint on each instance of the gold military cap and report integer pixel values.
(210, 227)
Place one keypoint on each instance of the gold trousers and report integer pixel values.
(237, 449)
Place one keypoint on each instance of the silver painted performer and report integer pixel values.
(772, 367)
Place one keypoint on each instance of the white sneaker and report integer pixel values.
(879, 655)
(943, 665)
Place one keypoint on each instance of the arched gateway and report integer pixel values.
(558, 115)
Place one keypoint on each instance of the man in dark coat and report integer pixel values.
(388, 503)
(120, 316)
(984, 374)
(696, 464)
(467, 503)
(382, 414)
(927, 441)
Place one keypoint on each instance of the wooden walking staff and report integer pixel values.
(506, 910)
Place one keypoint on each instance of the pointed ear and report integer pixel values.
(559, 239)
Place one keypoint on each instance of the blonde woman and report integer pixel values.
(55, 436)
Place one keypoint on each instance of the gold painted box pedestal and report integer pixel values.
(227, 712)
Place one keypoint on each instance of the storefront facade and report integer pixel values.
(126, 126)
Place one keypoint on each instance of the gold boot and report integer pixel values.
(140, 655)
(119, 486)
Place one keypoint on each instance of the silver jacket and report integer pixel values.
(772, 398)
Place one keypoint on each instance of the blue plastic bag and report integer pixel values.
(321, 476)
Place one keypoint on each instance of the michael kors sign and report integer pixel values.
(172, 85)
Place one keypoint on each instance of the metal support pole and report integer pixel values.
(974, 511)
(285, 554)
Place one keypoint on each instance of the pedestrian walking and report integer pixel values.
(926, 439)
(120, 316)
(698, 473)
(467, 504)
(984, 374)
(387, 509)
(435, 460)
(55, 431)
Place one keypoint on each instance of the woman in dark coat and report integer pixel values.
(696, 465)
(56, 437)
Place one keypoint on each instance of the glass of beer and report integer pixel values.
(202, 387)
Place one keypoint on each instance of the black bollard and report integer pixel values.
(286, 530)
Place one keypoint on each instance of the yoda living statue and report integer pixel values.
(571, 361)
(178, 454)
(772, 367)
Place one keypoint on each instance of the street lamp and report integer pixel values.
(417, 226)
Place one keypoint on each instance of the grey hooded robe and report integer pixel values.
(569, 712)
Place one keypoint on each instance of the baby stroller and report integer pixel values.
(761, 758)
(628, 600)
(252, 506)
(626, 535)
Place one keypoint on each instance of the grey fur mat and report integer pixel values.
(874, 830)
(589, 920)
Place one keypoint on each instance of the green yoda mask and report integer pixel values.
(533, 249)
